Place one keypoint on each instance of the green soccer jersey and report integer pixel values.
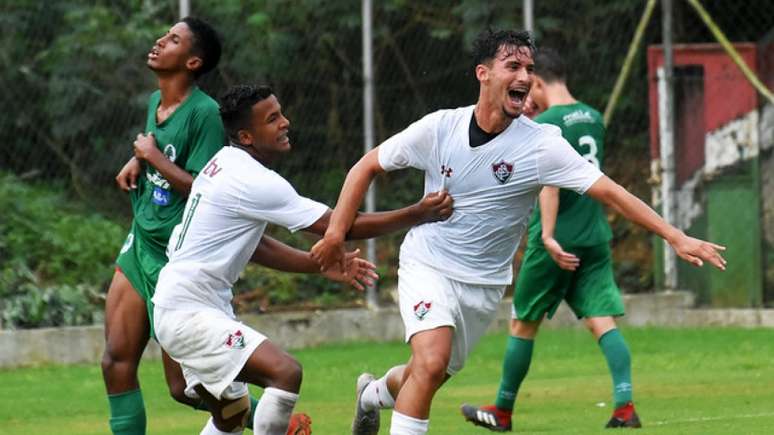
(189, 138)
(581, 221)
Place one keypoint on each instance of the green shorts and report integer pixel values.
(590, 291)
(141, 261)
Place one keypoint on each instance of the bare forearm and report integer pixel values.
(635, 210)
(369, 225)
(276, 255)
(549, 207)
(178, 178)
(352, 194)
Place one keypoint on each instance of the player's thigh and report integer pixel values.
(126, 320)
(477, 307)
(211, 346)
(271, 366)
(431, 351)
(594, 292)
(540, 286)
(425, 299)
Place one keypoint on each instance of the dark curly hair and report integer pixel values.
(206, 44)
(236, 107)
(550, 66)
(487, 43)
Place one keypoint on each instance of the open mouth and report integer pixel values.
(154, 53)
(517, 95)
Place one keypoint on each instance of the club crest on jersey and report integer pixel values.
(502, 171)
(421, 309)
(235, 340)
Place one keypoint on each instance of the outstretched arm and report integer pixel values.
(692, 250)
(549, 208)
(276, 255)
(435, 206)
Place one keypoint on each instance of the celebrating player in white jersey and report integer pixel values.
(452, 274)
(230, 205)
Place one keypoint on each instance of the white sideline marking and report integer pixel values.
(701, 419)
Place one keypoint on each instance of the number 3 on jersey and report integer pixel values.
(591, 156)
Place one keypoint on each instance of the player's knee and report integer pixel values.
(431, 369)
(524, 329)
(113, 364)
(293, 375)
(288, 375)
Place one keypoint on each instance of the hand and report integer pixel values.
(329, 252)
(435, 206)
(127, 176)
(565, 260)
(696, 251)
(145, 147)
(358, 273)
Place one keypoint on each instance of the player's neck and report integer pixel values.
(175, 89)
(559, 95)
(489, 118)
(254, 153)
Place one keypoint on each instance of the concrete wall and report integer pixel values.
(304, 329)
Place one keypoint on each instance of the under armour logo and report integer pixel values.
(446, 170)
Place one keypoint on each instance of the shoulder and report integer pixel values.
(203, 103)
(541, 131)
(449, 116)
(154, 97)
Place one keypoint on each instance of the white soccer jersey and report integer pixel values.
(494, 187)
(230, 203)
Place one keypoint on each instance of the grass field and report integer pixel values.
(686, 381)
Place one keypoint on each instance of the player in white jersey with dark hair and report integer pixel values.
(231, 202)
(452, 274)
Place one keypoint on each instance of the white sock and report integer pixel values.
(210, 429)
(405, 425)
(376, 395)
(272, 415)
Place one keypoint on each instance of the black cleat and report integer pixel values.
(624, 417)
(487, 417)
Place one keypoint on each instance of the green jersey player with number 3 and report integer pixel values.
(567, 258)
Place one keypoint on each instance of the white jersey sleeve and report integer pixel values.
(412, 147)
(274, 200)
(559, 165)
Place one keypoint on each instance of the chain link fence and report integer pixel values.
(76, 86)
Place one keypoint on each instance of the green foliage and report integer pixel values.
(55, 260)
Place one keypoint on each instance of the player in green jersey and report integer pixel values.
(567, 258)
(182, 132)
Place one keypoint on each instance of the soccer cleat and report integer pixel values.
(625, 417)
(365, 422)
(300, 424)
(487, 416)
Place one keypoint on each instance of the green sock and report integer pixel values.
(518, 354)
(620, 363)
(253, 404)
(127, 413)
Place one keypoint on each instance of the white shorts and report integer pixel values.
(211, 346)
(429, 300)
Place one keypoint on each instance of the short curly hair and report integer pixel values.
(550, 66)
(236, 106)
(487, 43)
(206, 44)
